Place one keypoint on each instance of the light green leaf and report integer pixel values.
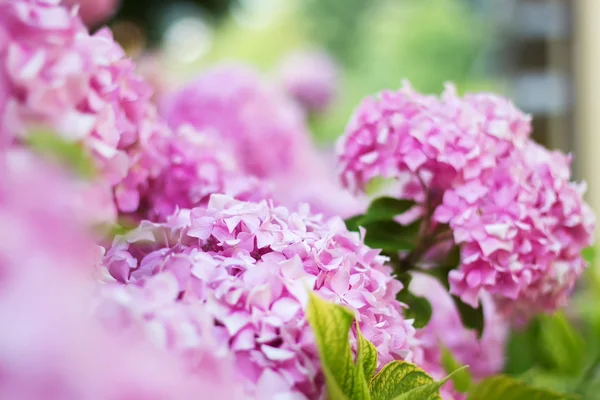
(378, 185)
(366, 355)
(563, 346)
(397, 378)
(471, 318)
(430, 391)
(71, 154)
(502, 387)
(461, 378)
(589, 254)
(331, 324)
(419, 308)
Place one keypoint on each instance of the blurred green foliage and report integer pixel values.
(377, 43)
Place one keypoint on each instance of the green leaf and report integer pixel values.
(523, 349)
(331, 324)
(430, 391)
(503, 387)
(589, 254)
(386, 208)
(397, 378)
(71, 154)
(471, 318)
(366, 355)
(390, 235)
(461, 378)
(354, 223)
(377, 185)
(564, 347)
(419, 308)
(550, 343)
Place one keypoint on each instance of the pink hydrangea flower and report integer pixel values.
(521, 232)
(80, 86)
(427, 144)
(251, 265)
(266, 130)
(484, 356)
(311, 77)
(55, 349)
(95, 12)
(469, 163)
(191, 167)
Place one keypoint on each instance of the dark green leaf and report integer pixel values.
(462, 378)
(386, 208)
(419, 308)
(353, 223)
(391, 236)
(471, 318)
(503, 388)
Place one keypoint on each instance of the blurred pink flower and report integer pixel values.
(310, 77)
(251, 265)
(232, 102)
(181, 170)
(95, 12)
(55, 348)
(484, 356)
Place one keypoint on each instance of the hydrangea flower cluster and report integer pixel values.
(469, 163)
(311, 77)
(77, 85)
(265, 128)
(182, 169)
(251, 265)
(522, 240)
(55, 75)
(484, 356)
(55, 349)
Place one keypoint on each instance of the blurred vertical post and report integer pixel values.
(587, 62)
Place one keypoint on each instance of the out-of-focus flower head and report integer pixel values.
(192, 167)
(319, 187)
(469, 163)
(265, 128)
(484, 356)
(55, 348)
(95, 12)
(251, 265)
(80, 86)
(311, 77)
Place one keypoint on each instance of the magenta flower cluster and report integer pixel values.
(265, 128)
(311, 77)
(251, 265)
(469, 163)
